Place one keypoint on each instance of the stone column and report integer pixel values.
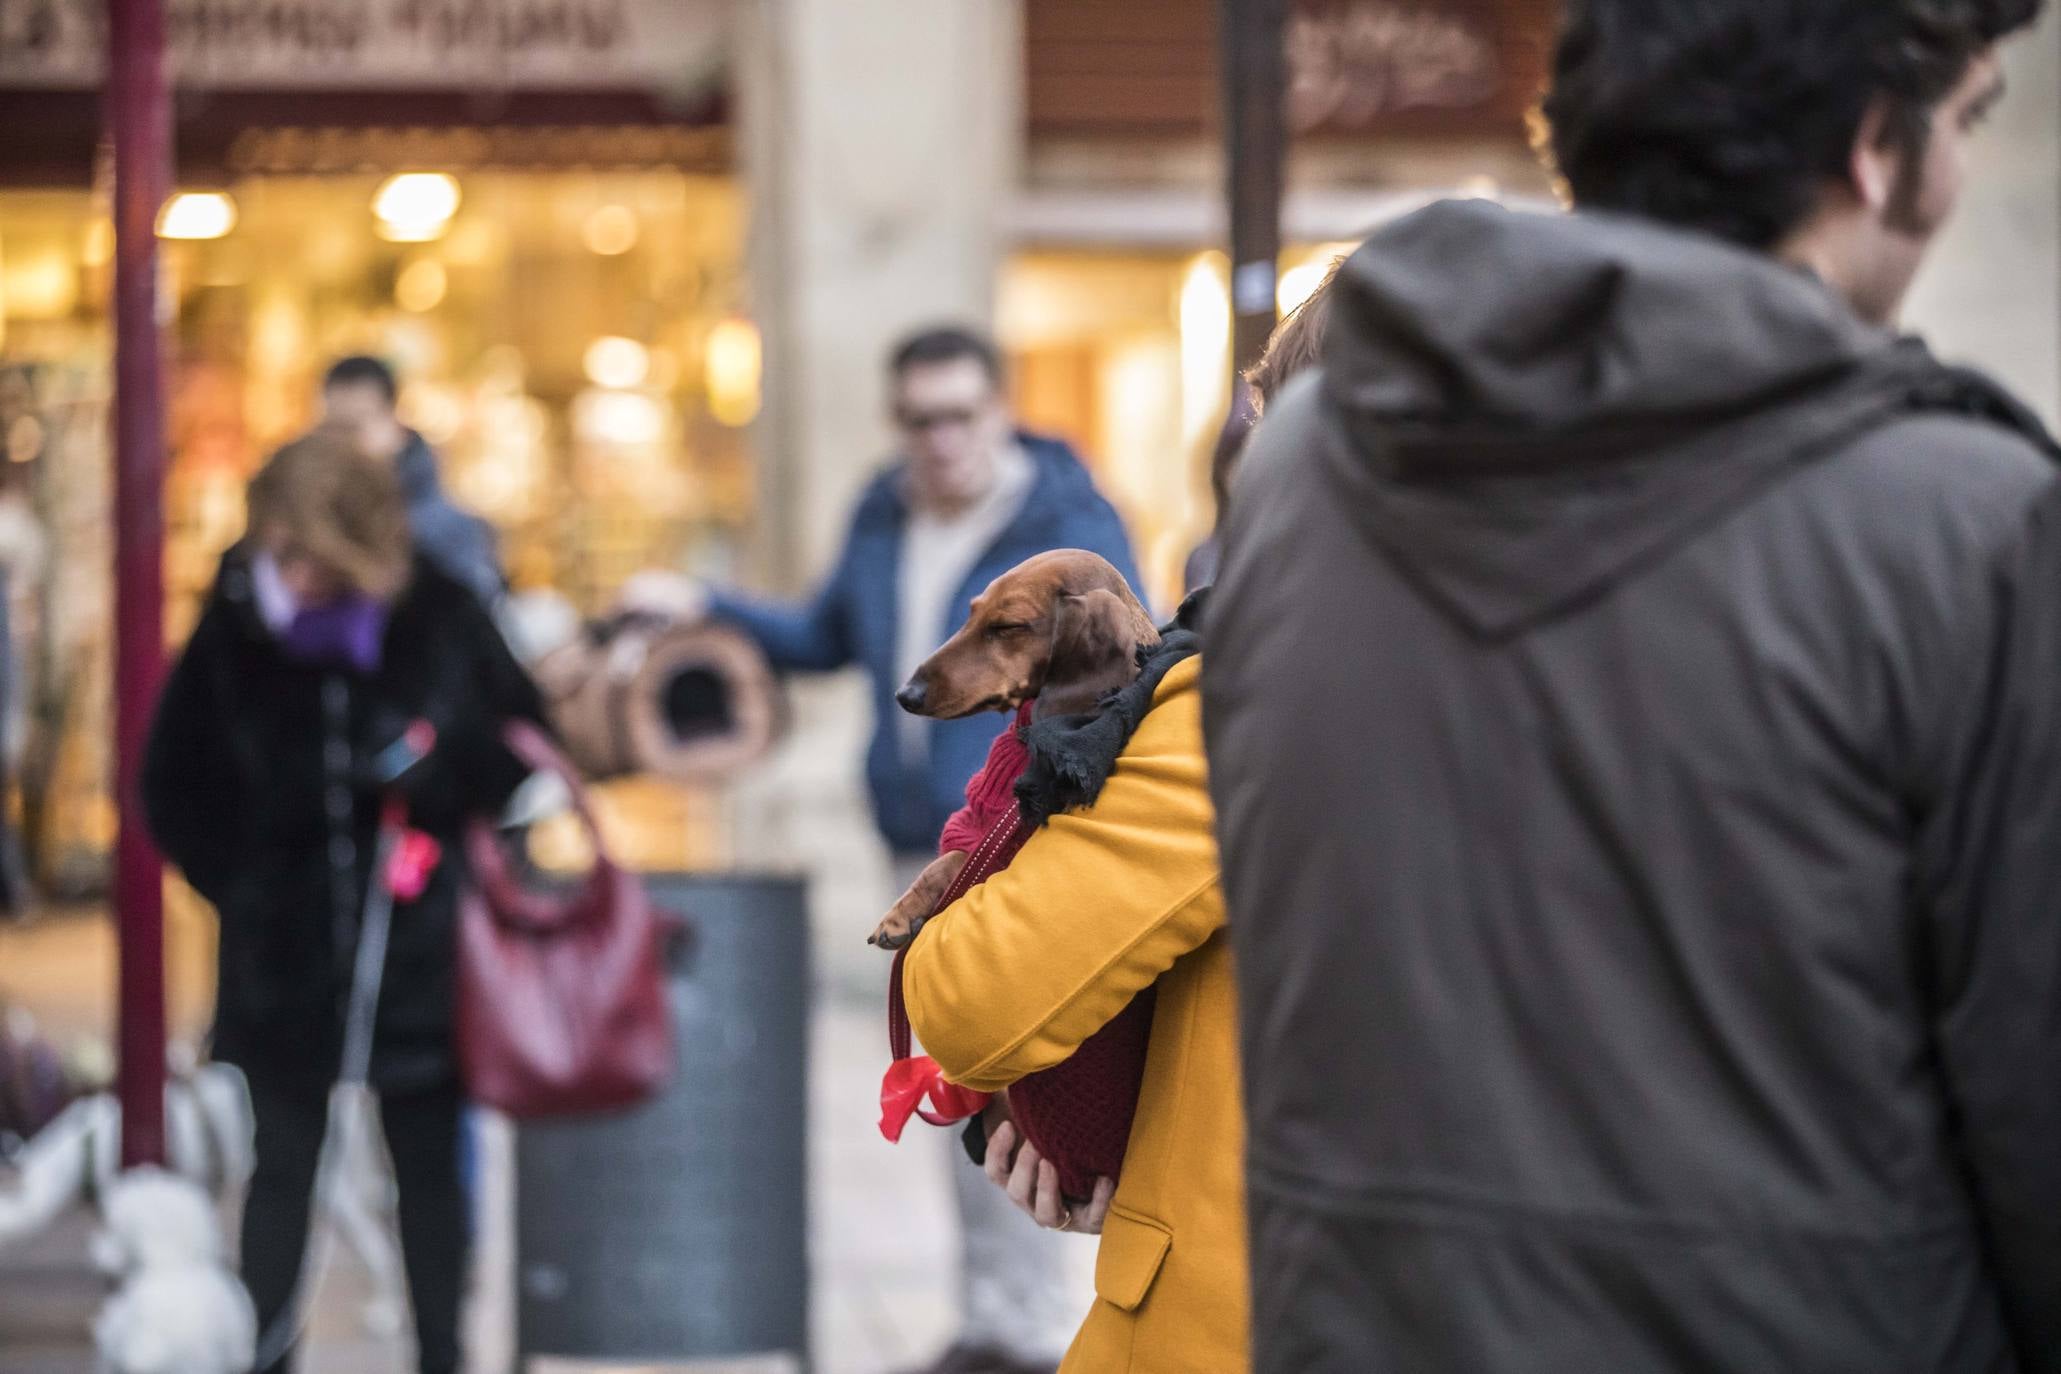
(1991, 291)
(880, 142)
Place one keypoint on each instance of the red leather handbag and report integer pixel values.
(561, 994)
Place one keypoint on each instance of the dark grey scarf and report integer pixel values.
(1071, 756)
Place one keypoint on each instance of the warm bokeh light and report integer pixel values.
(415, 207)
(1205, 314)
(197, 215)
(732, 366)
(421, 285)
(97, 249)
(610, 230)
(617, 363)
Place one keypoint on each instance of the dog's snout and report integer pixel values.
(913, 697)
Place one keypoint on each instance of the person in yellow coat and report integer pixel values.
(1100, 904)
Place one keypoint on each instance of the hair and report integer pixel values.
(946, 344)
(1730, 116)
(339, 506)
(361, 370)
(1296, 345)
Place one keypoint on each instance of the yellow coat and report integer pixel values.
(1028, 965)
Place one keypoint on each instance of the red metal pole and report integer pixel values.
(139, 120)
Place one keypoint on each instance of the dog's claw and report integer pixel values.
(890, 940)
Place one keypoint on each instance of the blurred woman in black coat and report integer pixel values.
(324, 642)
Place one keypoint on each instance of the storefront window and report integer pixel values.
(573, 342)
(1128, 355)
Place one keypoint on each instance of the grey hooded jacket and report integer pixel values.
(1634, 714)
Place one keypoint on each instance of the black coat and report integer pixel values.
(259, 784)
(1634, 714)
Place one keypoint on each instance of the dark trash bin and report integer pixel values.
(678, 1231)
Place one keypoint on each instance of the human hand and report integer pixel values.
(667, 595)
(1015, 1167)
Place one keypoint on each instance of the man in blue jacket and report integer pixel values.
(970, 497)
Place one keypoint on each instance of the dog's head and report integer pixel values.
(1064, 628)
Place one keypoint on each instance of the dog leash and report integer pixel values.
(402, 862)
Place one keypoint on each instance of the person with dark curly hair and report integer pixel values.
(1633, 713)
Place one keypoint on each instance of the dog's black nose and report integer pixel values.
(911, 698)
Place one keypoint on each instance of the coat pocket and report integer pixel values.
(1133, 1249)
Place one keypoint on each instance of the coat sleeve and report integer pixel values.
(483, 768)
(1992, 848)
(1013, 977)
(192, 799)
(812, 636)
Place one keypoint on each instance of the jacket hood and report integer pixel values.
(1471, 328)
(1527, 407)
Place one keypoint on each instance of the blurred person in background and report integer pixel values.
(969, 497)
(1118, 894)
(323, 641)
(360, 394)
(1634, 715)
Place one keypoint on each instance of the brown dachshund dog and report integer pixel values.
(1063, 630)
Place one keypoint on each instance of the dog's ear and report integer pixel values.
(1094, 652)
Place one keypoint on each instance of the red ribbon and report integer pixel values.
(908, 1082)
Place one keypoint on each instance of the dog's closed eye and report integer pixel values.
(1008, 631)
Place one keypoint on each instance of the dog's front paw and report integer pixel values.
(893, 933)
(903, 920)
(914, 907)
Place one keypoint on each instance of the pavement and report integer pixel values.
(883, 1243)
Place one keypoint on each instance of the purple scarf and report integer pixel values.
(346, 633)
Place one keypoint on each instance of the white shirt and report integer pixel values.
(938, 552)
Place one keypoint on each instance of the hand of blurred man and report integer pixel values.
(672, 596)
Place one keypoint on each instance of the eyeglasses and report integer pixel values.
(923, 421)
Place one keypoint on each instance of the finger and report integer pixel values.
(1001, 1154)
(1023, 1179)
(1098, 1206)
(1050, 1210)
